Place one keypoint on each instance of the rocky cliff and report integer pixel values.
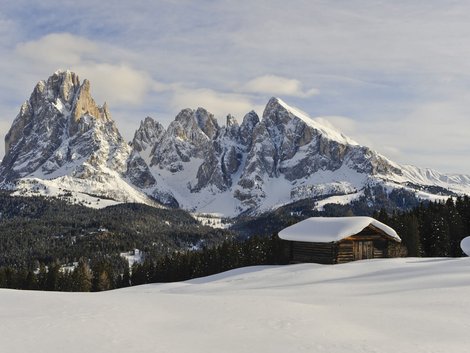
(63, 143)
(62, 135)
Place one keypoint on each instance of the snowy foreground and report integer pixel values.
(394, 305)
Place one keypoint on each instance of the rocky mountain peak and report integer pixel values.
(61, 134)
(274, 103)
(185, 115)
(63, 84)
(147, 135)
(63, 139)
(84, 104)
(250, 121)
(231, 128)
(277, 114)
(41, 117)
(196, 127)
(148, 121)
(230, 121)
(207, 122)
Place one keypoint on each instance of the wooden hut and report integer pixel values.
(333, 240)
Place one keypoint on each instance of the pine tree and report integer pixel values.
(82, 277)
(126, 278)
(30, 281)
(439, 237)
(456, 228)
(53, 276)
(103, 282)
(411, 237)
(42, 277)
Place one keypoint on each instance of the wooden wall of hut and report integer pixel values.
(364, 245)
(322, 253)
(361, 247)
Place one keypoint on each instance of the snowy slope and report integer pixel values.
(388, 306)
(328, 132)
(283, 158)
(63, 144)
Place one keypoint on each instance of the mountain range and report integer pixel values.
(65, 145)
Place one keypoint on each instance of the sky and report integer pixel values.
(392, 75)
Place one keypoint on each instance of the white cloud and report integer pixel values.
(8, 30)
(112, 79)
(433, 134)
(278, 86)
(116, 84)
(57, 49)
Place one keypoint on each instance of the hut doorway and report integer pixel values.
(363, 249)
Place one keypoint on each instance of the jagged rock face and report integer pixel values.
(246, 128)
(62, 139)
(147, 135)
(62, 124)
(61, 132)
(36, 132)
(192, 137)
(138, 172)
(244, 156)
(288, 145)
(183, 140)
(229, 154)
(207, 123)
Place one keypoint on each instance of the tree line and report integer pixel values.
(37, 230)
(432, 229)
(178, 266)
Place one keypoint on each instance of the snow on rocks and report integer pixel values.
(196, 164)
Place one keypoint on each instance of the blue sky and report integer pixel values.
(394, 76)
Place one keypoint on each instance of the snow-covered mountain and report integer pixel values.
(284, 157)
(62, 142)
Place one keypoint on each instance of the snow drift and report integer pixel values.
(387, 306)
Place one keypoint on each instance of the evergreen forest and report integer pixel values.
(39, 237)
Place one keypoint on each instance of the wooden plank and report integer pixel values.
(313, 252)
(378, 254)
(355, 238)
(363, 250)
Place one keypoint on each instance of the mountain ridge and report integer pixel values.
(62, 143)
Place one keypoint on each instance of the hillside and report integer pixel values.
(394, 305)
(38, 229)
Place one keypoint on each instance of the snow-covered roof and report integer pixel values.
(332, 229)
(465, 245)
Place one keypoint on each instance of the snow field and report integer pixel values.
(388, 305)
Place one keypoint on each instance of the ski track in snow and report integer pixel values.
(391, 305)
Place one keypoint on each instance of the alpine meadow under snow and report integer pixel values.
(384, 306)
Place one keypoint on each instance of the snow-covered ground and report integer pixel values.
(392, 305)
(133, 256)
(214, 220)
